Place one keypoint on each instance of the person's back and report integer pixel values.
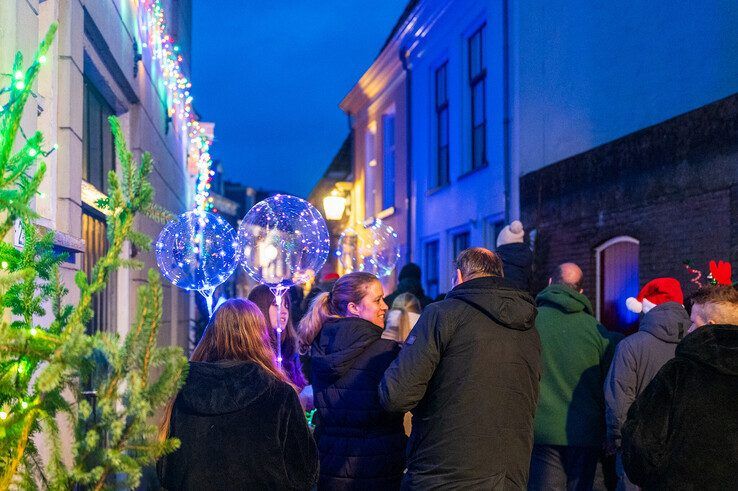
(237, 417)
(230, 419)
(469, 371)
(682, 432)
(576, 352)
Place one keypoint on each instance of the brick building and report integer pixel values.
(636, 208)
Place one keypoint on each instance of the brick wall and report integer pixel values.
(671, 186)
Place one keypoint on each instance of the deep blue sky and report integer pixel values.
(270, 74)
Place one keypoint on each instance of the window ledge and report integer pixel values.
(437, 189)
(473, 171)
(387, 212)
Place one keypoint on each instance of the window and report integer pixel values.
(493, 227)
(431, 269)
(441, 175)
(477, 76)
(388, 161)
(96, 246)
(617, 279)
(98, 151)
(371, 191)
(459, 242)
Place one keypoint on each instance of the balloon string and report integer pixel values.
(278, 298)
(208, 294)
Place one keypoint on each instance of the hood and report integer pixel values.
(515, 254)
(223, 387)
(410, 285)
(564, 298)
(715, 346)
(669, 322)
(507, 306)
(339, 343)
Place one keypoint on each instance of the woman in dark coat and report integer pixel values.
(237, 417)
(360, 445)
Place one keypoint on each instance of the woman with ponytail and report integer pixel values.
(360, 445)
(237, 417)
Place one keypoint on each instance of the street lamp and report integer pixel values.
(334, 205)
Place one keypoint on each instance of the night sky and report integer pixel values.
(271, 75)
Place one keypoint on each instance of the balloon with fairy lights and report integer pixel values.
(197, 251)
(283, 241)
(373, 248)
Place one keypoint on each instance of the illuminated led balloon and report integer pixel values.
(283, 241)
(374, 248)
(197, 251)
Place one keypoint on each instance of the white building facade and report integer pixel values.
(95, 70)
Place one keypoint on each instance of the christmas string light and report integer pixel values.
(153, 31)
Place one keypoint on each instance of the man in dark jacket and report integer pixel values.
(682, 431)
(640, 356)
(576, 352)
(409, 282)
(469, 372)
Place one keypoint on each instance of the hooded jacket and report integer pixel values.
(240, 428)
(469, 372)
(517, 262)
(576, 353)
(639, 357)
(361, 446)
(682, 431)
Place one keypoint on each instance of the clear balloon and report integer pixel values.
(283, 241)
(374, 248)
(197, 251)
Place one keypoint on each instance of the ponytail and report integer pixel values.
(312, 322)
(349, 288)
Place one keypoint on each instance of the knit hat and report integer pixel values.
(410, 270)
(656, 292)
(511, 234)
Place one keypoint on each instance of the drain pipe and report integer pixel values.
(408, 152)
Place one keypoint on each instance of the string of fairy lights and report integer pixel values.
(165, 53)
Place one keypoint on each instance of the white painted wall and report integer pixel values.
(589, 72)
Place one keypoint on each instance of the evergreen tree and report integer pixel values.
(108, 388)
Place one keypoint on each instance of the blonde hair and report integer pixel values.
(350, 288)
(236, 332)
(405, 303)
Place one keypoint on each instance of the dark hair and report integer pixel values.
(350, 288)
(410, 270)
(559, 277)
(476, 262)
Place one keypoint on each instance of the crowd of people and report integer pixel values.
(486, 388)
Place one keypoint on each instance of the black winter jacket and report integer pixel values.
(240, 428)
(361, 446)
(517, 263)
(469, 371)
(682, 431)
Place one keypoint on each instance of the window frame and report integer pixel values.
(102, 136)
(388, 170)
(441, 173)
(432, 281)
(477, 79)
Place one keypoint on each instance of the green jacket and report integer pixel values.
(576, 354)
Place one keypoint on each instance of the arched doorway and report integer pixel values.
(617, 279)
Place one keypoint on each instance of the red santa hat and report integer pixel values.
(656, 292)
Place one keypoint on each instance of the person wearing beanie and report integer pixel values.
(640, 356)
(410, 282)
(517, 258)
